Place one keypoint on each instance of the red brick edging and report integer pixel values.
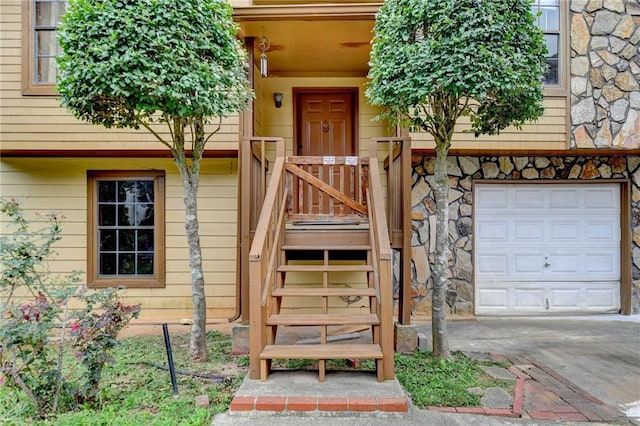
(550, 396)
(295, 403)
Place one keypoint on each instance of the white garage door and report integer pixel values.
(547, 249)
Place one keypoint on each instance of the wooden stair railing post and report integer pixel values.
(398, 165)
(404, 310)
(253, 165)
(377, 213)
(260, 268)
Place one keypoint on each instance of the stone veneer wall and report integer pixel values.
(605, 73)
(462, 171)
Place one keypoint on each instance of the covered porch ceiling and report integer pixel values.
(322, 41)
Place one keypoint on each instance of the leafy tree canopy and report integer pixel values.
(124, 60)
(480, 58)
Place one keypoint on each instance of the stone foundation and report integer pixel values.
(605, 70)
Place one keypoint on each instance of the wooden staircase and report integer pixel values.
(321, 240)
(324, 248)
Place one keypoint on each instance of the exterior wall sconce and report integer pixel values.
(277, 98)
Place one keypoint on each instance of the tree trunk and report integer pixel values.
(190, 174)
(198, 347)
(441, 264)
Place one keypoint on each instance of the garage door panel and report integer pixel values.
(491, 197)
(586, 231)
(607, 297)
(548, 250)
(563, 231)
(528, 231)
(529, 298)
(492, 231)
(602, 264)
(561, 264)
(538, 298)
(527, 264)
(492, 265)
(601, 230)
(602, 198)
(564, 264)
(564, 199)
(528, 198)
(564, 298)
(494, 298)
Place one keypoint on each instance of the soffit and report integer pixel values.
(311, 41)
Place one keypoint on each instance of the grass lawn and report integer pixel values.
(446, 383)
(138, 393)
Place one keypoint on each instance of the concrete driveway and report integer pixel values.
(600, 354)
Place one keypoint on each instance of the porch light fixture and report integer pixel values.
(277, 98)
(264, 45)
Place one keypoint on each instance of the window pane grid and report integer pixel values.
(548, 19)
(48, 15)
(126, 222)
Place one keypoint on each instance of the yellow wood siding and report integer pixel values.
(60, 185)
(38, 122)
(279, 121)
(548, 133)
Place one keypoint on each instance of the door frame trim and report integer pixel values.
(353, 91)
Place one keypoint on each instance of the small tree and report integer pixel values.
(435, 61)
(133, 63)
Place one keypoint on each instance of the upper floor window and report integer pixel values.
(549, 19)
(41, 18)
(126, 229)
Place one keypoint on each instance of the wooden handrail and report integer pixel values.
(253, 165)
(262, 246)
(382, 260)
(273, 254)
(377, 208)
(374, 254)
(262, 228)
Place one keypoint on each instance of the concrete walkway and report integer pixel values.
(600, 354)
(569, 370)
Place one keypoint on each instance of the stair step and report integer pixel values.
(323, 319)
(320, 239)
(320, 291)
(333, 351)
(325, 268)
(327, 247)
